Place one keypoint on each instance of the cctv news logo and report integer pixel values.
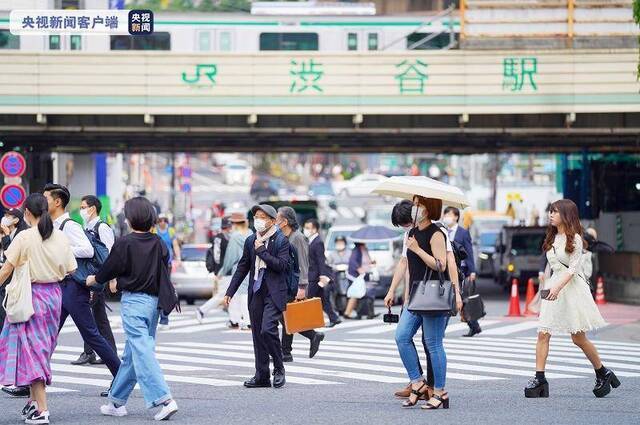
(133, 22)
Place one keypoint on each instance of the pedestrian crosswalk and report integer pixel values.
(356, 351)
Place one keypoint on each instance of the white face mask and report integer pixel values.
(84, 213)
(260, 225)
(6, 221)
(341, 247)
(308, 233)
(448, 221)
(417, 213)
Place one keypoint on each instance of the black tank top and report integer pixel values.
(417, 266)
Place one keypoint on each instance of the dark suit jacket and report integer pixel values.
(276, 256)
(317, 261)
(463, 237)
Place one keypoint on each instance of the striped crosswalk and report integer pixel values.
(208, 354)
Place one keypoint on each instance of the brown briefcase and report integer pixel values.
(303, 315)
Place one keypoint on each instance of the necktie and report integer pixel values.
(258, 283)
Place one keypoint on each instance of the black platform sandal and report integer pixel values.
(419, 393)
(536, 389)
(443, 401)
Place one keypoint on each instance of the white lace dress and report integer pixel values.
(574, 311)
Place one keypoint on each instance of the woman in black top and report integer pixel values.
(136, 261)
(426, 248)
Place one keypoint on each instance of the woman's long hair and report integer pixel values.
(568, 211)
(37, 205)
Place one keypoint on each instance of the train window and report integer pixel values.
(418, 41)
(76, 42)
(289, 41)
(8, 40)
(204, 41)
(373, 41)
(225, 41)
(155, 41)
(352, 41)
(54, 42)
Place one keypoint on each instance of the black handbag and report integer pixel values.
(473, 306)
(433, 296)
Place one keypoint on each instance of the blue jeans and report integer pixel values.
(433, 335)
(139, 364)
(407, 328)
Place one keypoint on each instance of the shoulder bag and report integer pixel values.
(433, 296)
(18, 302)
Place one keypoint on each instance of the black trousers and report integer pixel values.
(75, 303)
(287, 340)
(314, 290)
(3, 313)
(99, 310)
(265, 317)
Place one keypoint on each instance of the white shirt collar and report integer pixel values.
(58, 221)
(91, 224)
(453, 229)
(313, 237)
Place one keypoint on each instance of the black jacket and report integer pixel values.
(317, 261)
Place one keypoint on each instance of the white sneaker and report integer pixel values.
(28, 409)
(167, 411)
(199, 315)
(38, 418)
(110, 409)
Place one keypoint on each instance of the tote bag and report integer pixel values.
(358, 288)
(17, 301)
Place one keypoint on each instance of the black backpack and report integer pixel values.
(215, 254)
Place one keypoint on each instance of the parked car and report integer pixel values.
(237, 172)
(518, 254)
(379, 215)
(263, 188)
(386, 254)
(190, 277)
(485, 226)
(360, 185)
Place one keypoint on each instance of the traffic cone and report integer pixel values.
(531, 293)
(600, 300)
(514, 304)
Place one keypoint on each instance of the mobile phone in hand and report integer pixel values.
(544, 293)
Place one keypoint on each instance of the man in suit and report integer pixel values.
(265, 258)
(462, 236)
(319, 271)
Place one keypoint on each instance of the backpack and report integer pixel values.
(90, 266)
(215, 254)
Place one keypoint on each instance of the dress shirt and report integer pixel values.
(79, 242)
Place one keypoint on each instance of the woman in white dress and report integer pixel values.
(569, 307)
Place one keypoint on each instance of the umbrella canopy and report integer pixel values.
(372, 234)
(409, 186)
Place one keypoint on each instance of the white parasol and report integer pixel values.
(409, 186)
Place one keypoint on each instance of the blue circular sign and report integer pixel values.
(12, 196)
(13, 164)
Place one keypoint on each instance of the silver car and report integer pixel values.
(190, 276)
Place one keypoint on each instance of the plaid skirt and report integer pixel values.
(26, 348)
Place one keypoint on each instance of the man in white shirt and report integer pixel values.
(90, 209)
(75, 295)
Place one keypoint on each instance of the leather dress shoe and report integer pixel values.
(287, 358)
(315, 344)
(332, 324)
(84, 359)
(17, 391)
(278, 378)
(255, 383)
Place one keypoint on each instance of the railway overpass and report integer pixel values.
(457, 101)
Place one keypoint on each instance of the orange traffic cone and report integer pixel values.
(531, 293)
(514, 304)
(600, 300)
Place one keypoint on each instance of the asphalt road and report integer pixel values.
(353, 377)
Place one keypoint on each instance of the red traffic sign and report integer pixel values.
(13, 164)
(12, 195)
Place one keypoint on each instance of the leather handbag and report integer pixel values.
(303, 315)
(473, 306)
(433, 296)
(18, 302)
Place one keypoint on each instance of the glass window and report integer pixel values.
(155, 41)
(288, 41)
(204, 41)
(352, 41)
(438, 42)
(54, 42)
(8, 40)
(373, 41)
(68, 4)
(76, 42)
(225, 41)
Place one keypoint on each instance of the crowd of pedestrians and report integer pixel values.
(66, 269)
